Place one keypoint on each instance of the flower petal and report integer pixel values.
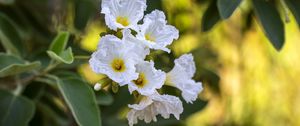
(190, 90)
(123, 13)
(155, 33)
(109, 49)
(152, 79)
(186, 62)
(153, 105)
(181, 77)
(140, 49)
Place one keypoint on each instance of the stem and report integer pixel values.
(19, 88)
(82, 57)
(51, 66)
(168, 82)
(21, 83)
(286, 11)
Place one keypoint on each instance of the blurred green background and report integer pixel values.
(246, 81)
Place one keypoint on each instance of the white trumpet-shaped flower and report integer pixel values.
(155, 33)
(123, 13)
(181, 77)
(141, 50)
(153, 105)
(116, 58)
(149, 79)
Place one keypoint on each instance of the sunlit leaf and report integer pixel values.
(65, 56)
(270, 21)
(9, 37)
(11, 65)
(15, 110)
(58, 45)
(227, 7)
(81, 100)
(294, 6)
(211, 17)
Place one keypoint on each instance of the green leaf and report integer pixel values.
(59, 43)
(104, 98)
(9, 36)
(210, 17)
(57, 49)
(84, 10)
(65, 56)
(11, 65)
(294, 6)
(7, 2)
(270, 21)
(15, 110)
(227, 7)
(155, 4)
(81, 100)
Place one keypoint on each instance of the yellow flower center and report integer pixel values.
(118, 65)
(149, 38)
(141, 81)
(123, 21)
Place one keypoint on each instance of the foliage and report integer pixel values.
(267, 12)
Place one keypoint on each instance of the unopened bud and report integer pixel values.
(97, 87)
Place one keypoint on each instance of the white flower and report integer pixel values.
(141, 50)
(181, 77)
(149, 79)
(116, 58)
(155, 32)
(123, 13)
(153, 105)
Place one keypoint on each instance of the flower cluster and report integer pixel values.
(122, 59)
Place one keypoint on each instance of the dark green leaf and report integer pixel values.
(212, 80)
(58, 45)
(294, 6)
(104, 98)
(270, 21)
(155, 4)
(47, 115)
(84, 10)
(11, 65)
(227, 7)
(190, 109)
(7, 2)
(15, 110)
(66, 74)
(65, 56)
(211, 17)
(9, 36)
(81, 100)
(49, 111)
